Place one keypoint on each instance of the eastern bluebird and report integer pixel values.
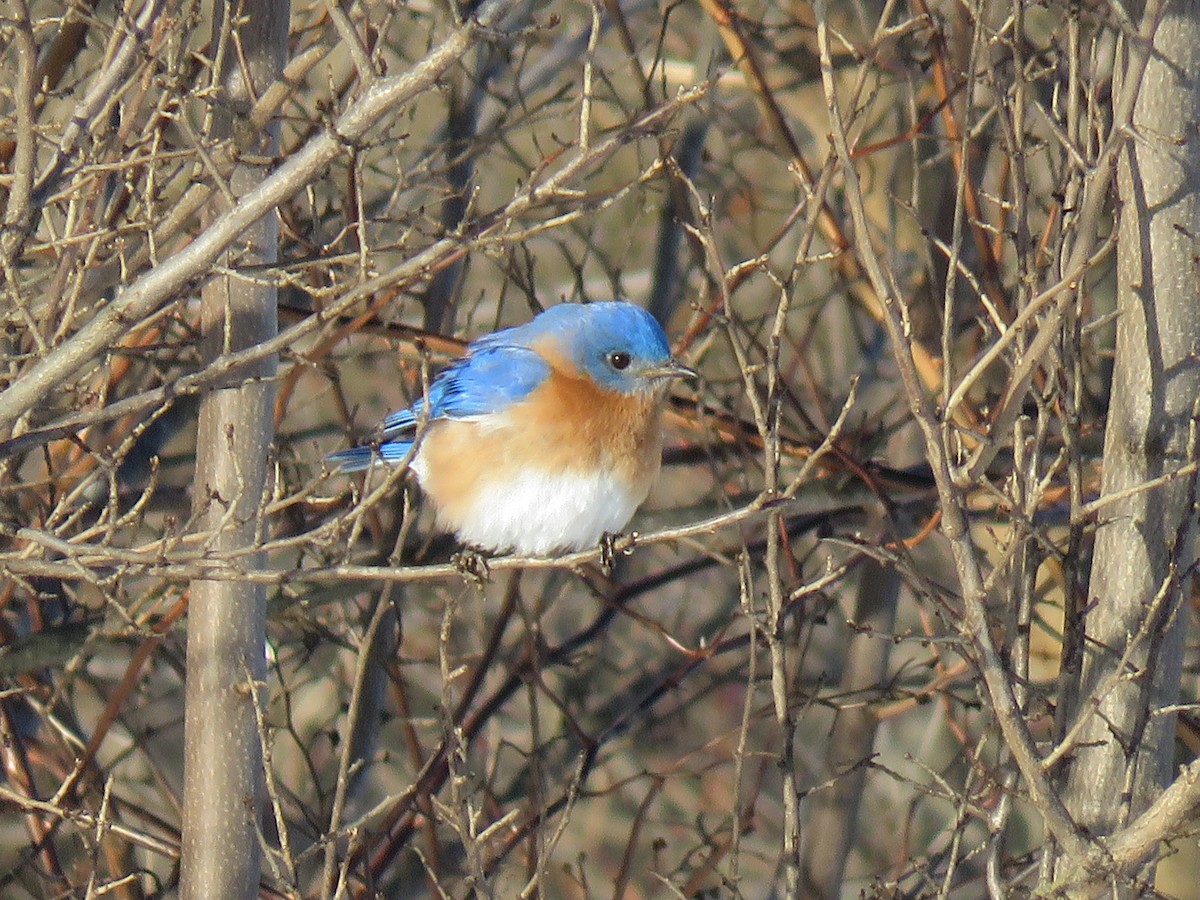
(543, 437)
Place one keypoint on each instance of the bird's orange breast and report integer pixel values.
(567, 425)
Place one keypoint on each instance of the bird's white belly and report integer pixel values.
(535, 513)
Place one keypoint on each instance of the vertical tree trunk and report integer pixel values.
(226, 626)
(1145, 542)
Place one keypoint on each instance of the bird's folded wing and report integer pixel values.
(487, 381)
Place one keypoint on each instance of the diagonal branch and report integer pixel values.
(159, 284)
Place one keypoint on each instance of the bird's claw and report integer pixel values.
(613, 544)
(472, 565)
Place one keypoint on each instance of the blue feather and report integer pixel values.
(503, 368)
(355, 459)
(486, 381)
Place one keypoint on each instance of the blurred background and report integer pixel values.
(779, 690)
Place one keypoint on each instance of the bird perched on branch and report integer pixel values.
(544, 437)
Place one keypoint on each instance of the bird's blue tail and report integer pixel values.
(357, 459)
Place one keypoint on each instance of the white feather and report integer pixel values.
(537, 513)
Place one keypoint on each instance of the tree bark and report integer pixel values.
(227, 619)
(1134, 621)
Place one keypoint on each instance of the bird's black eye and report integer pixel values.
(619, 359)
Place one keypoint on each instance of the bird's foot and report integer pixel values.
(612, 545)
(472, 564)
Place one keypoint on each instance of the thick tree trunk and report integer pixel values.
(226, 625)
(1145, 541)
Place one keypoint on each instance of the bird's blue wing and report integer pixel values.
(490, 378)
(484, 382)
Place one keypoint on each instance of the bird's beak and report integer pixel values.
(672, 368)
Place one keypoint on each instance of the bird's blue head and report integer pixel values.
(619, 345)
